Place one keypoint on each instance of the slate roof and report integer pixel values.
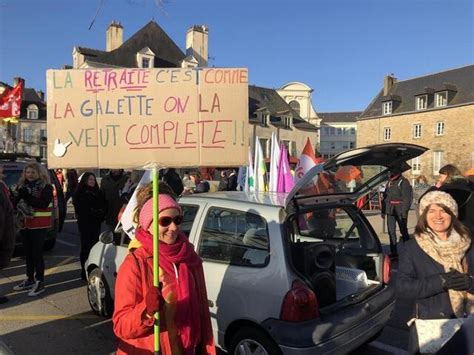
(338, 117)
(167, 53)
(460, 81)
(268, 99)
(30, 96)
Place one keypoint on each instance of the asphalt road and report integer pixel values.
(60, 320)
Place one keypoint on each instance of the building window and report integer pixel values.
(417, 131)
(332, 131)
(441, 99)
(146, 62)
(437, 162)
(264, 144)
(416, 166)
(32, 112)
(351, 145)
(326, 131)
(325, 145)
(353, 131)
(422, 102)
(295, 106)
(387, 108)
(345, 145)
(287, 121)
(333, 145)
(439, 128)
(387, 133)
(27, 135)
(265, 117)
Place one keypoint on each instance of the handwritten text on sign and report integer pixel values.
(133, 117)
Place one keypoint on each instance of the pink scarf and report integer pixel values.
(191, 287)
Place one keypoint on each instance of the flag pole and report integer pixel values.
(156, 248)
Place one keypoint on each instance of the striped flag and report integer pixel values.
(260, 169)
(274, 159)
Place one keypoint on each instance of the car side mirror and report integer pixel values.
(106, 237)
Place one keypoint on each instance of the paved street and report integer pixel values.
(60, 320)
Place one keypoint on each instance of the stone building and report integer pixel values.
(435, 111)
(269, 113)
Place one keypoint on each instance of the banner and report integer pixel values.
(306, 161)
(134, 117)
(10, 102)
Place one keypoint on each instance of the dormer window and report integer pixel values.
(32, 112)
(387, 107)
(441, 99)
(422, 102)
(265, 118)
(146, 58)
(287, 121)
(145, 62)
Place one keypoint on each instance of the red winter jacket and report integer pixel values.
(135, 334)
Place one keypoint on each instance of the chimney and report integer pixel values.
(114, 36)
(40, 94)
(197, 44)
(388, 82)
(16, 80)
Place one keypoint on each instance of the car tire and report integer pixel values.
(49, 244)
(98, 294)
(252, 341)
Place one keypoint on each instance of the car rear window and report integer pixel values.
(235, 237)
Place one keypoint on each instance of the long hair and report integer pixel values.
(41, 170)
(451, 172)
(146, 192)
(422, 225)
(83, 183)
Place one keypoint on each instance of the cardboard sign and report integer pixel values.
(134, 117)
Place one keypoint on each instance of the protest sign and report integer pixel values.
(133, 117)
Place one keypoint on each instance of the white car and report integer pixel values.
(286, 273)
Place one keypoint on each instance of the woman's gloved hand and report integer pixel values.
(154, 300)
(455, 280)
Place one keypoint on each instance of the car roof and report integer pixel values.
(275, 199)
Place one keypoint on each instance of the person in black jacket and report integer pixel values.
(436, 268)
(397, 199)
(33, 199)
(90, 206)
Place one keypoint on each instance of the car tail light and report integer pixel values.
(387, 268)
(299, 304)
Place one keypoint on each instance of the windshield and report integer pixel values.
(343, 179)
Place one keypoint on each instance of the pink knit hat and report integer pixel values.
(165, 202)
(438, 197)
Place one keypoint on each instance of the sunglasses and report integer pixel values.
(166, 221)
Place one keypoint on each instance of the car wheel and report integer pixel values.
(98, 294)
(49, 244)
(248, 341)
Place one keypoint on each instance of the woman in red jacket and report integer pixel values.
(181, 299)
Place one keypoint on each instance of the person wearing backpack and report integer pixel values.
(397, 199)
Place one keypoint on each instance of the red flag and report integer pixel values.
(307, 160)
(10, 101)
